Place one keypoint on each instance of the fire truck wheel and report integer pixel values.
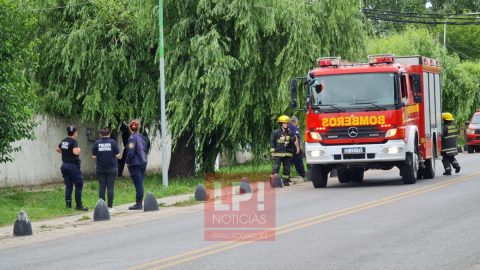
(410, 168)
(429, 171)
(319, 175)
(343, 177)
(357, 176)
(470, 149)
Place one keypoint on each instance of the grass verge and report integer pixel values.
(48, 203)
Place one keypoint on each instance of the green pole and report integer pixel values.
(162, 99)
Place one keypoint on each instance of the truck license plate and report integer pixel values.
(353, 150)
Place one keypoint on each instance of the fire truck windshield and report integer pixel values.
(355, 90)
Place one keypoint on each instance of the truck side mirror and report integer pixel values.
(293, 104)
(293, 89)
(318, 88)
(467, 123)
(416, 83)
(418, 98)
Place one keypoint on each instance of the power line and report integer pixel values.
(465, 46)
(424, 18)
(43, 9)
(462, 53)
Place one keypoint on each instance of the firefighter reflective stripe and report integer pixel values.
(285, 176)
(451, 136)
(287, 138)
(284, 154)
(454, 149)
(272, 149)
(280, 141)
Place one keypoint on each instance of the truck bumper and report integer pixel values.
(333, 154)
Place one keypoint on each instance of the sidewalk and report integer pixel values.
(121, 211)
(50, 223)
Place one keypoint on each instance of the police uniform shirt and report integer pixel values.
(136, 150)
(67, 145)
(105, 150)
(295, 131)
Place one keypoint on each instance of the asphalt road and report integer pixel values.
(378, 224)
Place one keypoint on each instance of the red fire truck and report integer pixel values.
(377, 115)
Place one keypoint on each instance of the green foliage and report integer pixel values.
(17, 65)
(229, 64)
(460, 79)
(462, 39)
(97, 62)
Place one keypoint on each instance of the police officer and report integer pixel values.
(282, 147)
(449, 144)
(137, 162)
(72, 175)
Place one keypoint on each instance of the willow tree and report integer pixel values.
(229, 65)
(17, 64)
(97, 61)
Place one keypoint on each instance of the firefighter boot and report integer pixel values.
(448, 171)
(69, 203)
(457, 169)
(80, 207)
(286, 182)
(137, 206)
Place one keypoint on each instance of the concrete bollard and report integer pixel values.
(22, 226)
(150, 203)
(101, 211)
(201, 194)
(276, 181)
(333, 173)
(245, 187)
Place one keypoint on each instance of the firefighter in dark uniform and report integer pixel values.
(449, 145)
(282, 147)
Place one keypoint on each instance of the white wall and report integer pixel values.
(38, 163)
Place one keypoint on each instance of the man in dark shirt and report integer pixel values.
(125, 135)
(297, 159)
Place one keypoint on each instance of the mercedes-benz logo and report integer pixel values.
(353, 132)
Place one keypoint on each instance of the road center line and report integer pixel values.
(360, 207)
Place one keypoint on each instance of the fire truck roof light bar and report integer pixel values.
(328, 61)
(381, 59)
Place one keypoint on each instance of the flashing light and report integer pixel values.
(391, 132)
(393, 150)
(315, 135)
(386, 125)
(478, 110)
(321, 128)
(381, 59)
(328, 61)
(315, 153)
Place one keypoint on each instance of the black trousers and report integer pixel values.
(297, 161)
(72, 175)
(277, 162)
(106, 180)
(447, 160)
(121, 162)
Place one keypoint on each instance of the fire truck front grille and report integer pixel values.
(477, 131)
(338, 133)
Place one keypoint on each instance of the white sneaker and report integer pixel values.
(111, 210)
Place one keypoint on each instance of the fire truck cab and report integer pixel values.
(377, 115)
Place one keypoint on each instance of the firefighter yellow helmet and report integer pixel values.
(284, 119)
(447, 116)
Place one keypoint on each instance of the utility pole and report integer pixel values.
(162, 98)
(445, 26)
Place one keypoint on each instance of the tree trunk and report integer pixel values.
(182, 161)
(209, 154)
